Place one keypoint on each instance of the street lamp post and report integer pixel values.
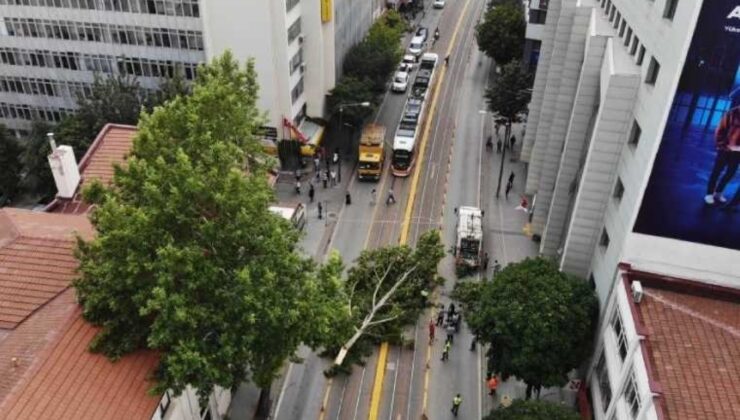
(341, 128)
(507, 133)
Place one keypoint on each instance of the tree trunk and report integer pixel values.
(263, 405)
(528, 395)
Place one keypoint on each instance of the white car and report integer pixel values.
(416, 47)
(408, 62)
(400, 82)
(438, 4)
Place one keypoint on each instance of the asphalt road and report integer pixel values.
(455, 170)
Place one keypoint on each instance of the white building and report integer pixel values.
(51, 49)
(628, 165)
(536, 16)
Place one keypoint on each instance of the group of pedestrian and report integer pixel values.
(450, 319)
(500, 143)
(327, 176)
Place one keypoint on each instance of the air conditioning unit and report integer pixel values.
(300, 39)
(637, 291)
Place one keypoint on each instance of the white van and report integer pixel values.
(416, 47)
(296, 215)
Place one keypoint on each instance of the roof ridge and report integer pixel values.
(735, 332)
(9, 232)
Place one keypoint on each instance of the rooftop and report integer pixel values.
(46, 370)
(110, 147)
(693, 342)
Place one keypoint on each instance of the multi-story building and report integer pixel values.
(50, 50)
(633, 144)
(536, 16)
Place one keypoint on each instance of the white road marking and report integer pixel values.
(282, 392)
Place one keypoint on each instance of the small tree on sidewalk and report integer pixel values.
(533, 410)
(538, 321)
(508, 98)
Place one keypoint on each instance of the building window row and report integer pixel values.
(135, 66)
(187, 8)
(620, 335)
(98, 32)
(290, 4)
(44, 87)
(296, 61)
(297, 91)
(30, 113)
(631, 40)
(294, 30)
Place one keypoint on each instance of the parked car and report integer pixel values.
(422, 32)
(416, 47)
(438, 4)
(409, 60)
(400, 82)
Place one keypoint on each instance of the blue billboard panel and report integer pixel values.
(694, 189)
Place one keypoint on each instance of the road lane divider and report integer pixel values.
(405, 227)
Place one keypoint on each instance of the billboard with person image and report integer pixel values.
(694, 189)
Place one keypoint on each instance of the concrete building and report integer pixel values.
(51, 50)
(536, 15)
(632, 133)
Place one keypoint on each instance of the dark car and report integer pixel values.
(422, 32)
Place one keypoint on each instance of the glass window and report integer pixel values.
(619, 334)
(605, 387)
(294, 30)
(652, 73)
(632, 397)
(641, 55)
(670, 9)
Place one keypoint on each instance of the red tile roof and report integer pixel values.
(46, 370)
(72, 383)
(111, 146)
(694, 352)
(36, 260)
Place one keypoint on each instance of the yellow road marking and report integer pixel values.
(427, 371)
(378, 385)
(406, 225)
(325, 401)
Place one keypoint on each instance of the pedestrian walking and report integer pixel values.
(335, 158)
(496, 267)
(511, 177)
(451, 310)
(492, 385)
(456, 321)
(513, 142)
(450, 329)
(316, 163)
(373, 196)
(498, 146)
(456, 404)
(298, 187)
(311, 191)
(432, 327)
(320, 209)
(509, 186)
(473, 342)
(347, 198)
(446, 350)
(391, 198)
(298, 174)
(333, 178)
(441, 315)
(485, 262)
(447, 60)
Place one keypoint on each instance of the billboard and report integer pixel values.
(693, 193)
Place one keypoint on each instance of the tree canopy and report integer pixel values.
(533, 410)
(510, 94)
(10, 165)
(501, 33)
(384, 292)
(188, 260)
(538, 321)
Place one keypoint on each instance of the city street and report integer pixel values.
(456, 169)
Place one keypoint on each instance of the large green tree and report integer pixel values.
(352, 90)
(533, 410)
(10, 165)
(501, 33)
(538, 321)
(189, 261)
(38, 179)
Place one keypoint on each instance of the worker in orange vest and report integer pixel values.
(492, 385)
